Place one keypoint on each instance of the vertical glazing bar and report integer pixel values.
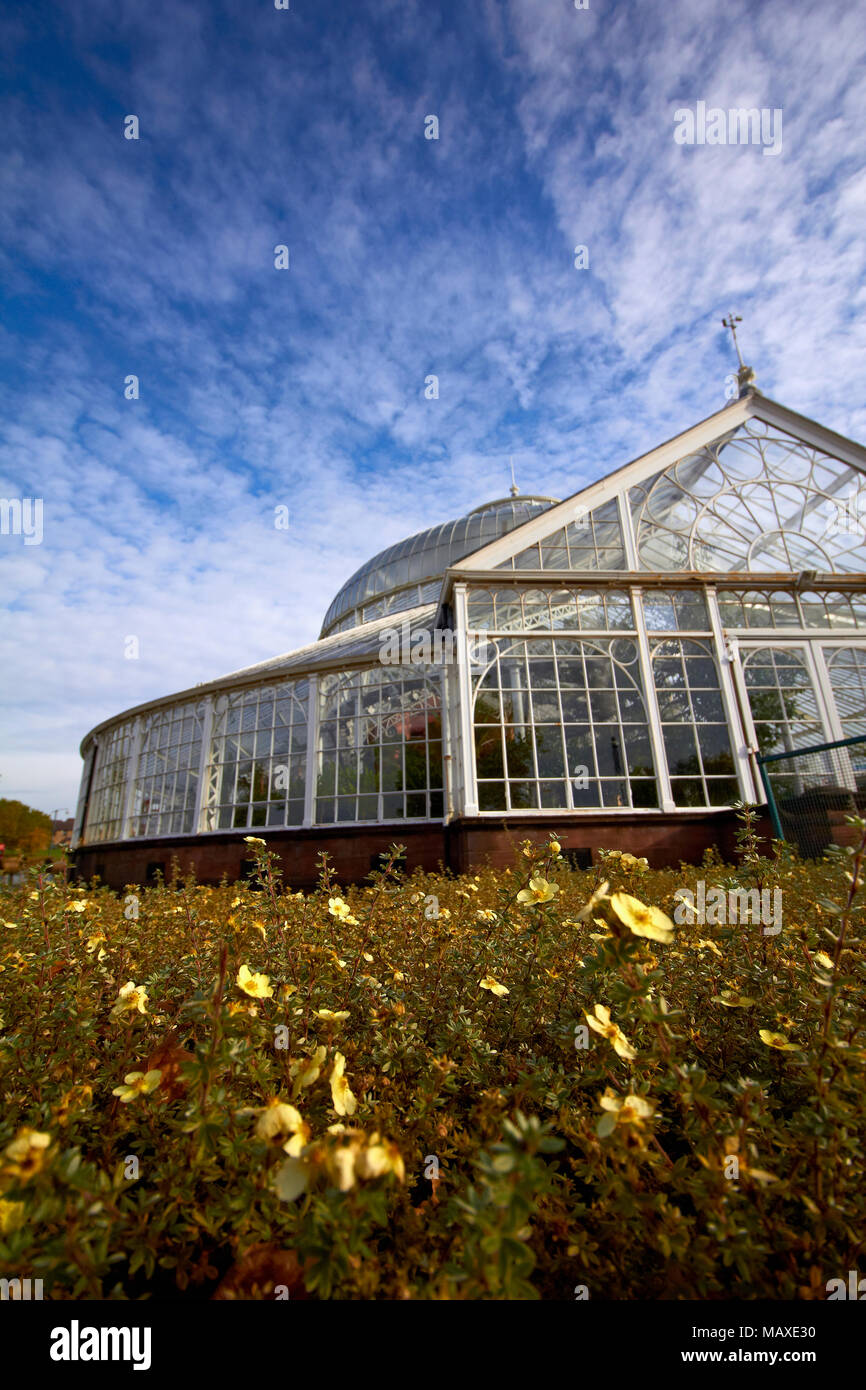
(465, 751)
(312, 761)
(447, 769)
(201, 793)
(663, 781)
(131, 777)
(740, 737)
(628, 538)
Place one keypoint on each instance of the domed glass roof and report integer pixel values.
(427, 555)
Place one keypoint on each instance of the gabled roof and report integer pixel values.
(752, 405)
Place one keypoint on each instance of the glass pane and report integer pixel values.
(491, 796)
(681, 749)
(524, 795)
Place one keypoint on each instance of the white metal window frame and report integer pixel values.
(712, 635)
(816, 667)
(813, 648)
(604, 640)
(429, 675)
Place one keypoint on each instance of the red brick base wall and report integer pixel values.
(461, 846)
(664, 840)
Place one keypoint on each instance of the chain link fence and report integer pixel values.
(811, 791)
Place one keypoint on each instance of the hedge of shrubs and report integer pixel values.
(530, 1083)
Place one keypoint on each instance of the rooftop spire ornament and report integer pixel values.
(514, 489)
(745, 375)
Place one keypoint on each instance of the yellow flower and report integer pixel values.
(820, 956)
(307, 1070)
(598, 896)
(344, 1102)
(555, 847)
(253, 840)
(486, 914)
(236, 1006)
(257, 986)
(341, 1159)
(94, 942)
(342, 911)
(494, 986)
(11, 1216)
(281, 1121)
(776, 1040)
(641, 920)
(333, 1016)
(631, 864)
(79, 906)
(380, 1156)
(73, 1100)
(732, 1000)
(628, 1110)
(706, 946)
(130, 997)
(137, 1083)
(26, 1153)
(602, 1024)
(291, 1179)
(539, 891)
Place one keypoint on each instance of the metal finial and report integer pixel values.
(731, 322)
(515, 490)
(745, 375)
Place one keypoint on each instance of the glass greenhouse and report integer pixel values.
(610, 665)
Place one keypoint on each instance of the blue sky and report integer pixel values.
(305, 388)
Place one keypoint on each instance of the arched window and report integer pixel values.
(782, 699)
(847, 667)
(696, 735)
(561, 723)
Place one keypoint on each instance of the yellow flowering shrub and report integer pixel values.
(427, 1087)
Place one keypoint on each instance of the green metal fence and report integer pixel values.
(811, 791)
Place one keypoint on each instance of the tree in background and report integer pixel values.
(23, 830)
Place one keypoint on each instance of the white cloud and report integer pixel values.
(454, 257)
